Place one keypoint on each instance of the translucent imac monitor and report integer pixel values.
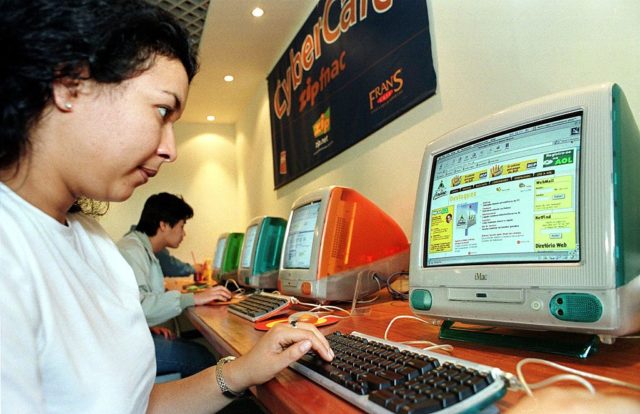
(217, 256)
(336, 241)
(529, 218)
(225, 264)
(261, 251)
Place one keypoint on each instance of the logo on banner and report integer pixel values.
(321, 130)
(386, 91)
(323, 124)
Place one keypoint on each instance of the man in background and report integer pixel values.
(161, 226)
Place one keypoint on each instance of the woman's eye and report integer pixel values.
(163, 111)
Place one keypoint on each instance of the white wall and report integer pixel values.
(205, 174)
(489, 54)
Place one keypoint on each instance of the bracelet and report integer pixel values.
(220, 379)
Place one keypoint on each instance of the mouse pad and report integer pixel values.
(270, 323)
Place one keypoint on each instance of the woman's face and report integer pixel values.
(117, 137)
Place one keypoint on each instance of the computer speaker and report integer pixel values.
(576, 307)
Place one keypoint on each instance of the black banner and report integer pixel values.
(350, 70)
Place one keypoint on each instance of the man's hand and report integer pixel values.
(219, 293)
(161, 330)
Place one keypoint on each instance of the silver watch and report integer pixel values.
(220, 379)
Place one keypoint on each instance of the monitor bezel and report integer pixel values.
(598, 258)
(223, 237)
(322, 196)
(257, 224)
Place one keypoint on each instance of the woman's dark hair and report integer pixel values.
(162, 207)
(45, 40)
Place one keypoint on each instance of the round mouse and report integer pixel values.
(306, 317)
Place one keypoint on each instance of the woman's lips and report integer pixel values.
(148, 173)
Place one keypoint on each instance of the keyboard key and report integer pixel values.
(376, 383)
(423, 407)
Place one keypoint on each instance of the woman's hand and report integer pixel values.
(278, 348)
(219, 292)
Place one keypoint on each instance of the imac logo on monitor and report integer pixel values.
(227, 256)
(530, 218)
(261, 250)
(335, 237)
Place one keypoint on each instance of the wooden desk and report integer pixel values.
(291, 392)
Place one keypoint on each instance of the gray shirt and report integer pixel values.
(158, 306)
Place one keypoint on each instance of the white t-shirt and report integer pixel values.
(73, 338)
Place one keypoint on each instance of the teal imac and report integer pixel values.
(227, 256)
(260, 254)
(529, 219)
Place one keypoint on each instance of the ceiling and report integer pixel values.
(234, 42)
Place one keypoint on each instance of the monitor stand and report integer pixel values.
(560, 343)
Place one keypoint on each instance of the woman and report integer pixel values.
(90, 92)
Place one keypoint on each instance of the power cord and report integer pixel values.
(573, 375)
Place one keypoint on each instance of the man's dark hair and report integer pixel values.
(162, 207)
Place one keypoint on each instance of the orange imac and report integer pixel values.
(334, 237)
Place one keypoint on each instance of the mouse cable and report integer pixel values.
(397, 294)
(574, 375)
(324, 308)
(432, 346)
(238, 290)
(314, 306)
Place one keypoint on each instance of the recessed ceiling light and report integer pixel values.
(211, 118)
(228, 78)
(257, 12)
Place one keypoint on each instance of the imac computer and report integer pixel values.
(261, 249)
(339, 244)
(529, 219)
(226, 257)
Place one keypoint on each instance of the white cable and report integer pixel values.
(577, 376)
(433, 347)
(238, 290)
(564, 377)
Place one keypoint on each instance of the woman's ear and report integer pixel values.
(66, 89)
(65, 92)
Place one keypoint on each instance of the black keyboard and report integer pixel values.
(381, 376)
(261, 305)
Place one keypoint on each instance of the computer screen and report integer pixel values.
(300, 236)
(247, 246)
(231, 256)
(217, 256)
(525, 185)
(261, 252)
(525, 218)
(336, 237)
